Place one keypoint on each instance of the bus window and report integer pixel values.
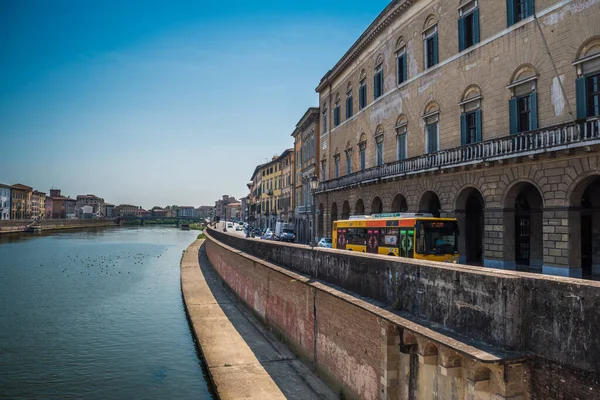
(389, 237)
(437, 237)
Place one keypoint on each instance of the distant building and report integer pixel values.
(205, 212)
(233, 211)
(70, 208)
(158, 212)
(48, 205)
(221, 205)
(21, 201)
(55, 205)
(127, 209)
(87, 212)
(4, 202)
(108, 210)
(142, 213)
(187, 211)
(38, 200)
(89, 200)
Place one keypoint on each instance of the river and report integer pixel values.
(96, 314)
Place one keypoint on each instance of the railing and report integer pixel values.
(532, 142)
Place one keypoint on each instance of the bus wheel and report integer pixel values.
(349, 249)
(391, 254)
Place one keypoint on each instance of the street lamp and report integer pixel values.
(314, 185)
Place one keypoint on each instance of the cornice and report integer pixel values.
(384, 19)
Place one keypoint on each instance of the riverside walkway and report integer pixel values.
(243, 360)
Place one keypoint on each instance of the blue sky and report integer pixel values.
(160, 102)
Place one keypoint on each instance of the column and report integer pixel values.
(561, 233)
(499, 238)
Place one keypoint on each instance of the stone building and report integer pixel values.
(38, 204)
(486, 111)
(187, 211)
(97, 204)
(20, 201)
(254, 203)
(4, 202)
(221, 206)
(285, 204)
(306, 145)
(123, 210)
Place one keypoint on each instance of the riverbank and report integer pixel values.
(243, 360)
(18, 226)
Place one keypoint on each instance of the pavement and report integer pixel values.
(243, 359)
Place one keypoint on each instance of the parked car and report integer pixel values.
(229, 225)
(269, 235)
(325, 242)
(238, 228)
(287, 235)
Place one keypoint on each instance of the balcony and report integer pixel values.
(307, 209)
(560, 137)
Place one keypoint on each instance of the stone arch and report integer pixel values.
(376, 205)
(430, 349)
(430, 21)
(431, 107)
(523, 245)
(471, 92)
(400, 43)
(334, 214)
(482, 379)
(378, 60)
(346, 210)
(359, 209)
(584, 225)
(589, 47)
(349, 87)
(430, 203)
(399, 204)
(337, 97)
(469, 210)
(401, 120)
(363, 138)
(522, 72)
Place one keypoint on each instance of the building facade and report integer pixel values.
(127, 209)
(20, 201)
(70, 208)
(487, 113)
(5, 198)
(108, 210)
(38, 205)
(221, 206)
(97, 204)
(205, 212)
(55, 205)
(286, 204)
(254, 198)
(233, 211)
(306, 160)
(187, 211)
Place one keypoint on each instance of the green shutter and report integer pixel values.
(534, 115)
(461, 34)
(580, 85)
(404, 71)
(476, 26)
(513, 113)
(463, 129)
(479, 125)
(510, 12)
(375, 91)
(435, 49)
(530, 8)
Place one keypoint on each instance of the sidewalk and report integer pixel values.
(243, 360)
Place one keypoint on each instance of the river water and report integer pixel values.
(96, 314)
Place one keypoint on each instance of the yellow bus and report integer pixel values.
(412, 235)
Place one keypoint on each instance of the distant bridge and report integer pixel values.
(143, 219)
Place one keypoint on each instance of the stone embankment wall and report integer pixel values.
(455, 330)
(10, 226)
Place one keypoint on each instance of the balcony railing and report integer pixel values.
(307, 209)
(528, 143)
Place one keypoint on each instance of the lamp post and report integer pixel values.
(314, 185)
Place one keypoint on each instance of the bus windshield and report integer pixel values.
(437, 237)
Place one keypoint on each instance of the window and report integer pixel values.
(523, 105)
(470, 127)
(323, 171)
(432, 138)
(348, 162)
(379, 150)
(349, 104)
(431, 47)
(432, 132)
(325, 121)
(362, 95)
(378, 82)
(362, 155)
(336, 160)
(401, 143)
(468, 26)
(401, 65)
(518, 10)
(336, 114)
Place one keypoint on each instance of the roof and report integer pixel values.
(306, 119)
(21, 187)
(186, 207)
(38, 192)
(5, 186)
(388, 15)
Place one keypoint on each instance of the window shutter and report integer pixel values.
(580, 85)
(360, 97)
(534, 116)
(399, 69)
(435, 49)
(404, 71)
(476, 26)
(479, 125)
(461, 34)
(463, 129)
(530, 10)
(510, 12)
(375, 88)
(514, 120)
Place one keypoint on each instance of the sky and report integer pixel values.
(161, 102)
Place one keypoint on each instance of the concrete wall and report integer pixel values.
(556, 318)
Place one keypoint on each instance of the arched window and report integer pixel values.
(431, 117)
(362, 90)
(430, 42)
(401, 71)
(523, 104)
(378, 78)
(470, 119)
(336, 110)
(379, 146)
(348, 152)
(588, 81)
(349, 101)
(401, 138)
(362, 152)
